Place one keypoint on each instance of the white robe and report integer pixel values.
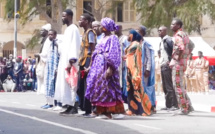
(40, 71)
(69, 49)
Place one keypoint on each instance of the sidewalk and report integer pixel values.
(200, 102)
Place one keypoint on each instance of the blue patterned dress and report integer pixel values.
(51, 67)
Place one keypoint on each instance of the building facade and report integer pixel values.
(24, 34)
(122, 11)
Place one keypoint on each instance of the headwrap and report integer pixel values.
(20, 57)
(47, 27)
(136, 35)
(143, 28)
(109, 24)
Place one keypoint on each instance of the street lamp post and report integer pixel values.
(15, 29)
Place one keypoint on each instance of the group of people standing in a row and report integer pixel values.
(99, 70)
(17, 74)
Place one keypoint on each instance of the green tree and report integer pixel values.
(49, 10)
(155, 13)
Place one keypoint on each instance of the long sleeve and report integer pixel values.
(20, 68)
(70, 46)
(206, 64)
(45, 50)
(113, 52)
(74, 43)
(147, 58)
(179, 46)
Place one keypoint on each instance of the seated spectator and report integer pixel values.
(9, 84)
(28, 83)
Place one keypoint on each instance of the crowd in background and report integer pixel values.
(198, 77)
(17, 75)
(212, 77)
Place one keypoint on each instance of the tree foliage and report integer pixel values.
(155, 13)
(49, 10)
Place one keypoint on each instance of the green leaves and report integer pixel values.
(161, 12)
(50, 10)
(31, 43)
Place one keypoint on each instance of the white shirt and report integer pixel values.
(164, 55)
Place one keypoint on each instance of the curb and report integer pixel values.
(213, 109)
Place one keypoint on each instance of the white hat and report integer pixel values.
(96, 23)
(47, 27)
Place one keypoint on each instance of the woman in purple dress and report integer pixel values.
(103, 88)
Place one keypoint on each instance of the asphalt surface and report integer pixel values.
(20, 113)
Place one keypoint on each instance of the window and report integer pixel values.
(118, 11)
(87, 7)
(129, 12)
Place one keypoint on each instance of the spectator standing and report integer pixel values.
(199, 66)
(10, 66)
(18, 73)
(206, 76)
(158, 80)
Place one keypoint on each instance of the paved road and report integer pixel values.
(20, 113)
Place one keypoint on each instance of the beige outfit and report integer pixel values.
(205, 75)
(158, 84)
(190, 77)
(199, 65)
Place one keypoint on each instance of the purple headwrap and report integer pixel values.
(109, 24)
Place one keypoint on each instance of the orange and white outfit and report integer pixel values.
(199, 66)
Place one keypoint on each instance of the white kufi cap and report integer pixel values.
(47, 27)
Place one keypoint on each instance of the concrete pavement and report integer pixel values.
(200, 102)
(20, 113)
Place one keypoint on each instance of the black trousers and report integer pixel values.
(85, 104)
(170, 96)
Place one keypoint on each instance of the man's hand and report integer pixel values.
(146, 73)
